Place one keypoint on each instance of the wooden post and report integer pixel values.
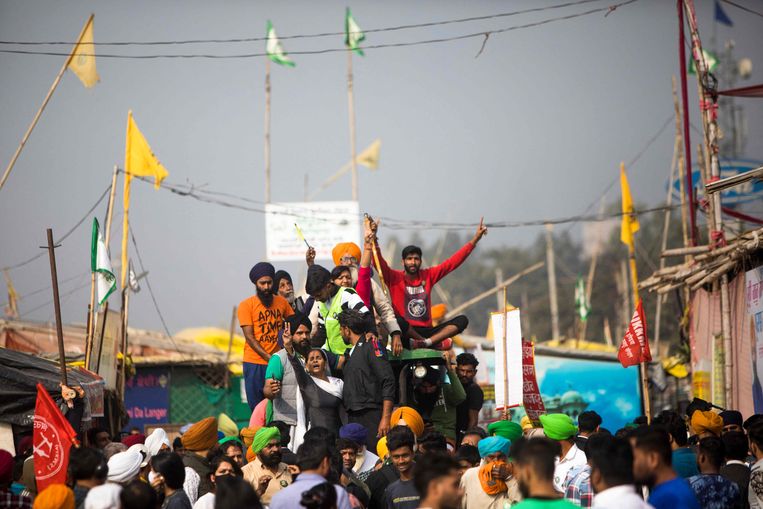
(110, 209)
(100, 335)
(37, 115)
(351, 112)
(57, 306)
(124, 313)
(498, 279)
(686, 133)
(267, 130)
(552, 281)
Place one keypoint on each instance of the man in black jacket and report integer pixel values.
(736, 446)
(369, 385)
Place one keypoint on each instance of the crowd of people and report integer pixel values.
(704, 459)
(335, 423)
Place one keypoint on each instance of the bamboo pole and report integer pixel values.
(110, 208)
(505, 337)
(351, 113)
(90, 324)
(591, 273)
(487, 293)
(123, 335)
(686, 133)
(267, 130)
(37, 115)
(57, 306)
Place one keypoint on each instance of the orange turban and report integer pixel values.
(55, 496)
(706, 422)
(345, 248)
(247, 436)
(411, 418)
(250, 455)
(202, 436)
(438, 311)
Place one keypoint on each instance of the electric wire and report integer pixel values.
(747, 9)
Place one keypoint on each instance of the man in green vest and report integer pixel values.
(332, 300)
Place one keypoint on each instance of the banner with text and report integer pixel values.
(324, 225)
(531, 398)
(147, 397)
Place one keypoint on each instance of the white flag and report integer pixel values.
(100, 264)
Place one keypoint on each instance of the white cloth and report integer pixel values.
(333, 386)
(205, 502)
(124, 466)
(155, 440)
(191, 484)
(365, 461)
(620, 497)
(573, 458)
(105, 496)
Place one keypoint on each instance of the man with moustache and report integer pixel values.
(267, 474)
(283, 286)
(261, 318)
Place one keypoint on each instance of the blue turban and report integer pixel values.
(491, 445)
(262, 269)
(355, 432)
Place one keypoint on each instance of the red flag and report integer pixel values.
(635, 346)
(53, 436)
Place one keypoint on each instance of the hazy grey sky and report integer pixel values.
(533, 128)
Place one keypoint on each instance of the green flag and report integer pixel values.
(710, 60)
(353, 35)
(581, 302)
(274, 49)
(100, 264)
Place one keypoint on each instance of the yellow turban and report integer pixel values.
(411, 418)
(526, 423)
(438, 311)
(55, 496)
(345, 248)
(227, 426)
(381, 448)
(202, 436)
(706, 422)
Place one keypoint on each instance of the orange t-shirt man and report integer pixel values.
(266, 322)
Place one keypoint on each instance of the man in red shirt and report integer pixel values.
(411, 291)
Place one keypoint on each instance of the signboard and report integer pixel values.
(743, 193)
(754, 298)
(147, 397)
(512, 353)
(324, 224)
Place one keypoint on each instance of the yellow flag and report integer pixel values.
(82, 61)
(630, 223)
(140, 161)
(370, 156)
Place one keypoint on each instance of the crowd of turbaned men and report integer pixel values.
(327, 429)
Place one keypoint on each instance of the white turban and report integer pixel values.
(155, 440)
(143, 451)
(124, 466)
(105, 496)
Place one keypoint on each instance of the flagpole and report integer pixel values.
(505, 354)
(686, 133)
(267, 130)
(125, 311)
(351, 112)
(57, 306)
(44, 104)
(110, 208)
(643, 370)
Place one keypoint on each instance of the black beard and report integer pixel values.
(271, 461)
(265, 297)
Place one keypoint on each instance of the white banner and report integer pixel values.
(324, 224)
(754, 299)
(512, 353)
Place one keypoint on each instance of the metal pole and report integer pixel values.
(552, 281)
(351, 112)
(267, 130)
(57, 306)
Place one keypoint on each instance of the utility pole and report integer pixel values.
(552, 281)
(57, 306)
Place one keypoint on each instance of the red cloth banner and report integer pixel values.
(531, 398)
(53, 436)
(634, 348)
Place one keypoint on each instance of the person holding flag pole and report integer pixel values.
(634, 349)
(81, 61)
(276, 54)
